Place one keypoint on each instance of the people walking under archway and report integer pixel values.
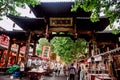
(82, 73)
(79, 70)
(72, 72)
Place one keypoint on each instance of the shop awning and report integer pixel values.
(98, 58)
(3, 47)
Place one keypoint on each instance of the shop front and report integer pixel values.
(105, 66)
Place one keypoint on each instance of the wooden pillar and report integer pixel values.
(27, 46)
(117, 45)
(88, 50)
(47, 32)
(8, 53)
(34, 48)
(18, 52)
(94, 53)
(1, 54)
(75, 32)
(108, 49)
(110, 67)
(94, 50)
(94, 47)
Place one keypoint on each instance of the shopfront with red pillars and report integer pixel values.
(4, 42)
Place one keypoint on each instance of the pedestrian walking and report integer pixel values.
(64, 70)
(22, 69)
(82, 73)
(72, 72)
(79, 69)
(59, 70)
(55, 70)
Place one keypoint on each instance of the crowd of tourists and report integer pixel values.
(51, 67)
(71, 70)
(75, 71)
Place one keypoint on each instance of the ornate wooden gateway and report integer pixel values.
(57, 17)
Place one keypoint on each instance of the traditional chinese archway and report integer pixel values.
(57, 17)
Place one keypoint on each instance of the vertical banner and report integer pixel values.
(53, 56)
(46, 52)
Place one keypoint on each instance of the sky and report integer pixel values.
(7, 24)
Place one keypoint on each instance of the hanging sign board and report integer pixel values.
(59, 22)
(45, 51)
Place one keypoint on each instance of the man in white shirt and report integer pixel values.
(29, 62)
(22, 69)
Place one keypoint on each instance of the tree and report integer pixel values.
(110, 9)
(8, 6)
(67, 49)
(42, 41)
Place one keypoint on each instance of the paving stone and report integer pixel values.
(6, 77)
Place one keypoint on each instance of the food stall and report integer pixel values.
(35, 73)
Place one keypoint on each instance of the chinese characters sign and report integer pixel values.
(68, 22)
(45, 51)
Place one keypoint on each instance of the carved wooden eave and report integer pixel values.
(61, 30)
(105, 43)
(15, 35)
(84, 32)
(108, 43)
(39, 32)
(106, 38)
(57, 9)
(20, 37)
(29, 24)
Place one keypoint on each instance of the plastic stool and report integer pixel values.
(16, 74)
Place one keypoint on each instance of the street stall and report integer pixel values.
(109, 66)
(35, 73)
(99, 77)
(98, 72)
(97, 69)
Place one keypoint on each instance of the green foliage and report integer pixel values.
(67, 49)
(8, 6)
(111, 8)
(116, 31)
(42, 41)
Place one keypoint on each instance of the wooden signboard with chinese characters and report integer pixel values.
(61, 22)
(58, 24)
(46, 51)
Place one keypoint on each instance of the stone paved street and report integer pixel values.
(7, 77)
(52, 77)
(61, 77)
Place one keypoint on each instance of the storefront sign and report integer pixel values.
(4, 40)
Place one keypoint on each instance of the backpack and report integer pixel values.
(72, 70)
